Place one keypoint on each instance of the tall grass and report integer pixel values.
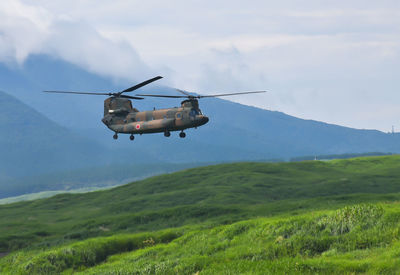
(363, 238)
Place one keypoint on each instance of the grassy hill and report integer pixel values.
(306, 217)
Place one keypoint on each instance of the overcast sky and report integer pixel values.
(333, 61)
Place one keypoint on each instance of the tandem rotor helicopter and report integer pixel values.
(121, 117)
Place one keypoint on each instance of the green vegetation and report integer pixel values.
(328, 217)
(362, 238)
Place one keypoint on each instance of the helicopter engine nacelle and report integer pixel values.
(119, 111)
(117, 106)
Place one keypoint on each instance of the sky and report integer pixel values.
(332, 61)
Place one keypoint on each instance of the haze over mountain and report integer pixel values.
(31, 142)
(34, 142)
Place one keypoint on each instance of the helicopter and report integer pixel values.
(121, 117)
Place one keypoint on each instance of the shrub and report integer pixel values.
(346, 219)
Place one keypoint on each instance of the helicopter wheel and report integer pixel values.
(115, 136)
(132, 137)
(182, 134)
(167, 133)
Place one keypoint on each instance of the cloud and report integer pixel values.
(80, 43)
(22, 30)
(334, 61)
(26, 29)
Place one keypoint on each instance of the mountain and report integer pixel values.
(235, 132)
(32, 144)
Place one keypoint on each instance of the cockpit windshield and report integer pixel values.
(195, 112)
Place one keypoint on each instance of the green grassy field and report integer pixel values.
(328, 217)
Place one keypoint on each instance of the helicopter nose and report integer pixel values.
(204, 120)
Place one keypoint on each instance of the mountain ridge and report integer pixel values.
(235, 132)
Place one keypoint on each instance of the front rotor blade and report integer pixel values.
(131, 97)
(144, 83)
(167, 96)
(242, 93)
(80, 93)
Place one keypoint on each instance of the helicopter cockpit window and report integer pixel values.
(195, 112)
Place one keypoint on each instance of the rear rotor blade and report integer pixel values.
(137, 86)
(79, 93)
(199, 96)
(242, 93)
(183, 92)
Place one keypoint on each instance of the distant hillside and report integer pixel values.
(235, 132)
(91, 178)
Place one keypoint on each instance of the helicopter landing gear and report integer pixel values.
(182, 134)
(131, 137)
(115, 136)
(167, 133)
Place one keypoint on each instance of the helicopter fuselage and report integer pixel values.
(120, 117)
